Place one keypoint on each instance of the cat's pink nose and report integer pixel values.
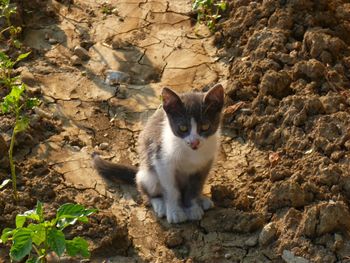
(194, 144)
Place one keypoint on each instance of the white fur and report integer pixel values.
(205, 202)
(194, 212)
(158, 206)
(149, 180)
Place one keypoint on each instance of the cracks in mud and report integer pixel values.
(190, 67)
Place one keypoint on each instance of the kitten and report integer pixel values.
(177, 149)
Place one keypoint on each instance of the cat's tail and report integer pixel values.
(114, 171)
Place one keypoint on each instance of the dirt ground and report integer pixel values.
(281, 185)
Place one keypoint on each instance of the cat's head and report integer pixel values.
(194, 116)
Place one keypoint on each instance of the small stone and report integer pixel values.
(48, 99)
(267, 234)
(289, 257)
(76, 148)
(42, 113)
(252, 241)
(228, 256)
(115, 11)
(86, 44)
(75, 60)
(52, 41)
(28, 78)
(173, 239)
(82, 53)
(114, 77)
(338, 242)
(47, 36)
(103, 146)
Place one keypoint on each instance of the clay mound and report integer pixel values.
(290, 67)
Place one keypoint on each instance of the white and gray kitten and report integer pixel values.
(177, 149)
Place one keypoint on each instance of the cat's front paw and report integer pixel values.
(206, 203)
(175, 215)
(158, 206)
(195, 212)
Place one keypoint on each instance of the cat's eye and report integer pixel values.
(205, 127)
(183, 128)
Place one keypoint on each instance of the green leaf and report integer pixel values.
(83, 219)
(32, 102)
(22, 244)
(20, 220)
(222, 6)
(21, 124)
(32, 260)
(22, 56)
(56, 241)
(39, 233)
(11, 101)
(70, 210)
(6, 233)
(77, 246)
(68, 214)
(17, 43)
(30, 214)
(3, 58)
(4, 183)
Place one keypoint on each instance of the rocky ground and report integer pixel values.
(281, 185)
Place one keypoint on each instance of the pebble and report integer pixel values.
(103, 146)
(76, 61)
(228, 255)
(42, 113)
(252, 241)
(115, 11)
(114, 77)
(52, 41)
(289, 257)
(267, 234)
(76, 148)
(86, 44)
(82, 53)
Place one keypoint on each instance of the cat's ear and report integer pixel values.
(214, 99)
(171, 101)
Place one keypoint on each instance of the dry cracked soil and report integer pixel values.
(281, 185)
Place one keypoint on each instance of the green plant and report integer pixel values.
(6, 68)
(7, 9)
(41, 236)
(209, 11)
(17, 104)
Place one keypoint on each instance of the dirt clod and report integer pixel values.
(267, 234)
